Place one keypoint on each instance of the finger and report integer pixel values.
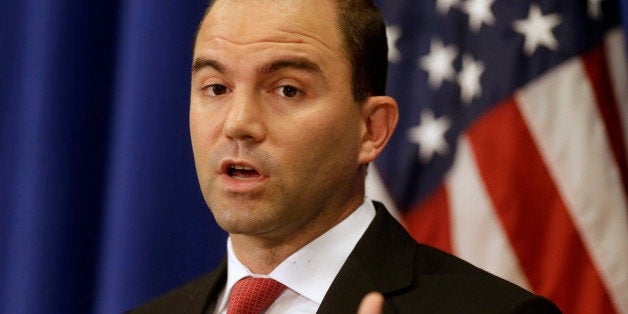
(372, 304)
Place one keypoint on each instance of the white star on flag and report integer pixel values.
(430, 135)
(439, 63)
(469, 79)
(393, 32)
(443, 6)
(479, 12)
(537, 29)
(594, 9)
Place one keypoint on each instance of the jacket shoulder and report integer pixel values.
(189, 298)
(416, 277)
(448, 284)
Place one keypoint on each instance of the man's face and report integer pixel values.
(275, 131)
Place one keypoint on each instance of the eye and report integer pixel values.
(287, 91)
(215, 90)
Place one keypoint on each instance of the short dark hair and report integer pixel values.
(363, 34)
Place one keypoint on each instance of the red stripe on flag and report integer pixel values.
(429, 222)
(534, 216)
(596, 64)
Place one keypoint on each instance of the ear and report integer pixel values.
(380, 114)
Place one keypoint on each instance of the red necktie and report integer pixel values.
(253, 295)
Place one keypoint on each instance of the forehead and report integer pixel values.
(248, 22)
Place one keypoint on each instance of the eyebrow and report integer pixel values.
(292, 63)
(200, 64)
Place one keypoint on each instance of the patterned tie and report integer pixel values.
(253, 295)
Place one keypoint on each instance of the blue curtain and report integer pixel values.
(624, 14)
(100, 209)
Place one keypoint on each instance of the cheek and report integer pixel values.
(324, 141)
(203, 131)
(197, 133)
(204, 124)
(197, 130)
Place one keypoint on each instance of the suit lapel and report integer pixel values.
(203, 298)
(381, 261)
(348, 288)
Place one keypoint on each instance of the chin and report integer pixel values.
(239, 221)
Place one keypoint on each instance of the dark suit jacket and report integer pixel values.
(413, 278)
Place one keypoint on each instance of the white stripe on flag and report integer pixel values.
(477, 232)
(376, 190)
(564, 120)
(618, 68)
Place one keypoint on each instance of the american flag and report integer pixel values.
(511, 146)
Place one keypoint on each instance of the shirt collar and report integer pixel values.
(310, 270)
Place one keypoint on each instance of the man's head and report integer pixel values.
(363, 34)
(280, 142)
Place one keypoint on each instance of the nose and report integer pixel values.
(245, 120)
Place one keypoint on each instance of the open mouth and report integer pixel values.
(243, 172)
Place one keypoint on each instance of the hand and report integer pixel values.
(372, 304)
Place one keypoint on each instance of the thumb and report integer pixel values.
(372, 304)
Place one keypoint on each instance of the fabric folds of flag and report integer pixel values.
(511, 149)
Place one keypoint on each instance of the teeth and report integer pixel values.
(239, 167)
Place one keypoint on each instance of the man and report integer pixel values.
(287, 110)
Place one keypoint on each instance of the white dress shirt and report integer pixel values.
(309, 272)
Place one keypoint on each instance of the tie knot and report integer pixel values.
(252, 295)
